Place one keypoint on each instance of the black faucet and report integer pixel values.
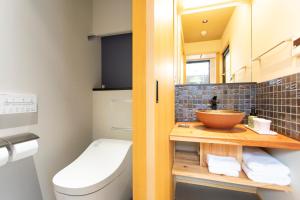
(214, 103)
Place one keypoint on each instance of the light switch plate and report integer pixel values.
(13, 103)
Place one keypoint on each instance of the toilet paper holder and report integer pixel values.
(17, 147)
(3, 143)
(21, 146)
(16, 139)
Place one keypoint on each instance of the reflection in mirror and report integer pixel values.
(213, 41)
(198, 72)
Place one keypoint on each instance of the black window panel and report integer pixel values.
(116, 53)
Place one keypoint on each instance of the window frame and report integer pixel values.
(224, 72)
(199, 61)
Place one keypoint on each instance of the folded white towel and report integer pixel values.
(222, 171)
(275, 179)
(259, 161)
(226, 162)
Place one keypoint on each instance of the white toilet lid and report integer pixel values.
(98, 165)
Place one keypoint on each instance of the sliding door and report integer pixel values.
(153, 99)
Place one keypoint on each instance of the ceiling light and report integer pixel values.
(204, 21)
(203, 33)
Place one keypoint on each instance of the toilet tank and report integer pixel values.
(112, 114)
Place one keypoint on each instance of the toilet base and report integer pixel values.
(119, 189)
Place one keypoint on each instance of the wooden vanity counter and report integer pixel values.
(224, 143)
(240, 135)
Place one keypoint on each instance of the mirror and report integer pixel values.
(215, 39)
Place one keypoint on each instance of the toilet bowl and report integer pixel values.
(101, 172)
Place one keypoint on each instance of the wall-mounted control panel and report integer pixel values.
(13, 103)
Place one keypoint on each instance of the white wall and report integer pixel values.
(111, 17)
(291, 159)
(179, 52)
(195, 48)
(44, 50)
(213, 70)
(19, 181)
(238, 36)
(274, 21)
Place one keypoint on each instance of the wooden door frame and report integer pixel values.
(152, 160)
(139, 166)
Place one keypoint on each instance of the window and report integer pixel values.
(226, 65)
(117, 61)
(197, 72)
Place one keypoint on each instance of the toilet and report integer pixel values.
(101, 172)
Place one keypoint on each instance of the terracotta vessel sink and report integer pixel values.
(221, 119)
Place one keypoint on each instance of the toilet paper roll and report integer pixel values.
(4, 156)
(24, 150)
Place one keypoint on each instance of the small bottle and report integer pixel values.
(251, 117)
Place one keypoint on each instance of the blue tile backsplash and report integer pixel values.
(235, 96)
(277, 100)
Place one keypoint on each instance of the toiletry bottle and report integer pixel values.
(251, 117)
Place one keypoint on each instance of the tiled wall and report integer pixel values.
(190, 98)
(279, 101)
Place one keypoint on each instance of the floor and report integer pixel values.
(194, 192)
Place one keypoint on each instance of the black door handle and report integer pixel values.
(157, 98)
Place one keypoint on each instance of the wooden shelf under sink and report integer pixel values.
(186, 164)
(192, 165)
(186, 157)
(239, 135)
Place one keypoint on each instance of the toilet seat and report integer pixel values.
(102, 162)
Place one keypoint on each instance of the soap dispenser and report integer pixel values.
(251, 117)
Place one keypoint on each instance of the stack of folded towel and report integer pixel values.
(223, 165)
(261, 167)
